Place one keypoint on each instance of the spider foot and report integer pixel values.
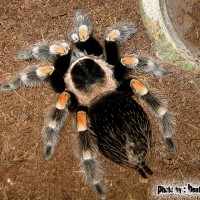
(170, 143)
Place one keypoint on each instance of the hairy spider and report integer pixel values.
(100, 89)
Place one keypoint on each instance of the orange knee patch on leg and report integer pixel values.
(83, 33)
(129, 61)
(44, 70)
(62, 101)
(113, 35)
(58, 49)
(81, 121)
(139, 87)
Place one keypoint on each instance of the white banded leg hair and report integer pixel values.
(87, 151)
(46, 52)
(160, 110)
(145, 64)
(55, 124)
(30, 77)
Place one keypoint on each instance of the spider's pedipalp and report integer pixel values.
(45, 52)
(160, 110)
(55, 123)
(76, 55)
(87, 145)
(30, 77)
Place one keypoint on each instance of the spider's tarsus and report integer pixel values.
(49, 152)
(167, 128)
(26, 55)
(99, 190)
(170, 143)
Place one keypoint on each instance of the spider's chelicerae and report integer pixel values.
(100, 89)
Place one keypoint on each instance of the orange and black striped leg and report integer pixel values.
(46, 52)
(88, 155)
(159, 109)
(82, 35)
(116, 35)
(145, 64)
(28, 78)
(55, 123)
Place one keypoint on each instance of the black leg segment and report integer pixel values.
(112, 52)
(91, 46)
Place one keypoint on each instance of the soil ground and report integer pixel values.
(24, 173)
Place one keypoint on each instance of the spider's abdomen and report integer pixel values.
(121, 127)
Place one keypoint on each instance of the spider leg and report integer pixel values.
(55, 124)
(61, 66)
(144, 64)
(87, 153)
(159, 109)
(30, 77)
(82, 35)
(116, 35)
(46, 52)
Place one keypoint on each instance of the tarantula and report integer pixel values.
(100, 89)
